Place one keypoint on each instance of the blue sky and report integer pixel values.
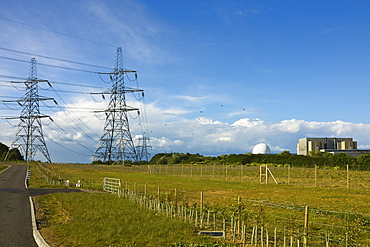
(219, 76)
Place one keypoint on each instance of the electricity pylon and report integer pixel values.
(29, 137)
(116, 143)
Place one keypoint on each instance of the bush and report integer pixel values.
(14, 154)
(162, 161)
(364, 161)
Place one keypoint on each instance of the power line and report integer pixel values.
(13, 77)
(75, 141)
(48, 30)
(55, 82)
(68, 148)
(77, 85)
(52, 58)
(73, 114)
(49, 65)
(63, 91)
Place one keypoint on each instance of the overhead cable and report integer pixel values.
(49, 65)
(75, 141)
(48, 30)
(53, 58)
(73, 114)
(71, 150)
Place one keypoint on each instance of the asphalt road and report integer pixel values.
(15, 212)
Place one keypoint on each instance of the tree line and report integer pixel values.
(322, 159)
(13, 154)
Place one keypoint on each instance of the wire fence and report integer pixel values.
(321, 177)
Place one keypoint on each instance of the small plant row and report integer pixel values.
(238, 224)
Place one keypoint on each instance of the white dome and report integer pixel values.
(261, 148)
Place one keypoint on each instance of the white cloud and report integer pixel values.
(171, 132)
(191, 98)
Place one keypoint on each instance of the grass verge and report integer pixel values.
(3, 167)
(84, 219)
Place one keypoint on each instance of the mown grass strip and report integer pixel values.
(84, 219)
(3, 167)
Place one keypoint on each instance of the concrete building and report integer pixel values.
(332, 145)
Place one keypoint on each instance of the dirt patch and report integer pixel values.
(40, 192)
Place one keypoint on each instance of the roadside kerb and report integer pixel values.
(40, 241)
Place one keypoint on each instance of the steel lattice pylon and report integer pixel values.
(116, 143)
(29, 137)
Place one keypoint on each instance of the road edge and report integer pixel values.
(40, 241)
(36, 234)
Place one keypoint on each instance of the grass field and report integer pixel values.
(335, 210)
(92, 219)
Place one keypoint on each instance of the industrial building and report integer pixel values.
(331, 145)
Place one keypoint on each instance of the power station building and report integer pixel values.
(331, 145)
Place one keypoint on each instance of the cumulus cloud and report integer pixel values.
(212, 137)
(170, 131)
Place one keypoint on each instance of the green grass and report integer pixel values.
(279, 206)
(95, 219)
(3, 167)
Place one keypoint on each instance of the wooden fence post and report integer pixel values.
(201, 202)
(305, 231)
(347, 176)
(327, 239)
(175, 197)
(315, 176)
(241, 172)
(239, 202)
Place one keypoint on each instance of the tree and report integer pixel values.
(14, 154)
(162, 161)
(285, 153)
(3, 150)
(364, 161)
(316, 154)
(341, 160)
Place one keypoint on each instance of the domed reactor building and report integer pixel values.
(261, 148)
